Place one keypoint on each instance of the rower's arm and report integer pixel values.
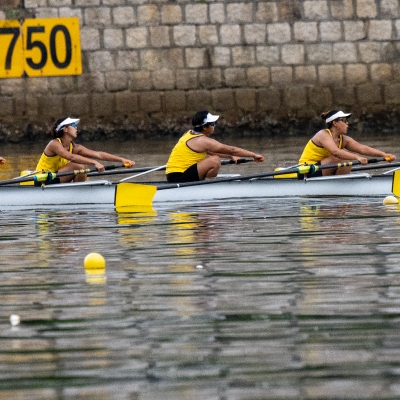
(55, 147)
(365, 150)
(102, 155)
(222, 150)
(325, 140)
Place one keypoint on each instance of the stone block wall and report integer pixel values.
(266, 66)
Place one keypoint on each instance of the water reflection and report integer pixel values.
(296, 298)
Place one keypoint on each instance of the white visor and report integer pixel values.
(339, 114)
(209, 118)
(67, 121)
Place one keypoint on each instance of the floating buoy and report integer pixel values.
(390, 200)
(95, 268)
(14, 319)
(94, 261)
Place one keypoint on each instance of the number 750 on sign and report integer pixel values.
(40, 47)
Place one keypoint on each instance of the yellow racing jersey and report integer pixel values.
(313, 154)
(53, 163)
(182, 157)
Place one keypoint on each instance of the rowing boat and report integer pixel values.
(104, 193)
(363, 184)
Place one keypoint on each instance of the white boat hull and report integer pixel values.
(363, 185)
(103, 193)
(89, 193)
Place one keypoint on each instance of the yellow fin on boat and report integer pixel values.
(25, 173)
(291, 175)
(134, 194)
(396, 183)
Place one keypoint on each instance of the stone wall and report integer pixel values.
(265, 66)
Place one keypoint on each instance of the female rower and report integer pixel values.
(63, 154)
(196, 156)
(332, 145)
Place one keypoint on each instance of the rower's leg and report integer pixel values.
(334, 171)
(209, 167)
(343, 171)
(70, 167)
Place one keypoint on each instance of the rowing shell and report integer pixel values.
(104, 194)
(363, 185)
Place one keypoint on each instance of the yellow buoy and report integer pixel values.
(94, 261)
(390, 200)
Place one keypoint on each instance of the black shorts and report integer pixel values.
(190, 175)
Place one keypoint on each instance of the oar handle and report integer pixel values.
(375, 160)
(240, 161)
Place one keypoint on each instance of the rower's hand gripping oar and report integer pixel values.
(47, 177)
(126, 192)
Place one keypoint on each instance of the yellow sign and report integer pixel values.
(11, 56)
(40, 47)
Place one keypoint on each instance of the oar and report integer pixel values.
(41, 176)
(31, 173)
(239, 161)
(393, 165)
(301, 169)
(49, 176)
(143, 173)
(160, 168)
(144, 193)
(122, 171)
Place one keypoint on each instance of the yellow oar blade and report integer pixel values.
(134, 194)
(396, 183)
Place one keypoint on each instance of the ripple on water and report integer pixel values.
(297, 298)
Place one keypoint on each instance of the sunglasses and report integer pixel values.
(210, 124)
(74, 125)
(343, 119)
